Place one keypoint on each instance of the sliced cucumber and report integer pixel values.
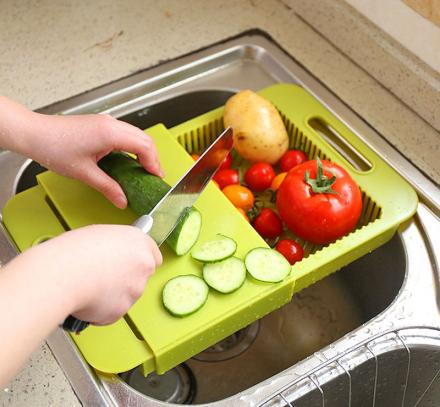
(267, 265)
(186, 233)
(184, 295)
(225, 276)
(215, 250)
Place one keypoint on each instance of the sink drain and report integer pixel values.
(178, 385)
(231, 346)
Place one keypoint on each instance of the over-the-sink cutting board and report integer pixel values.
(149, 335)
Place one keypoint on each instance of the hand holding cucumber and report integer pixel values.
(72, 145)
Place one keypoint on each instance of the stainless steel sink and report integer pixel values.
(398, 368)
(359, 337)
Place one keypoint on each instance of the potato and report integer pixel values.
(259, 132)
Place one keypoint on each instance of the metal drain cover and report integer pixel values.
(231, 346)
(178, 385)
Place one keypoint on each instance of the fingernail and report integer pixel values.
(121, 202)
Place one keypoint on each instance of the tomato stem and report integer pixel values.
(322, 184)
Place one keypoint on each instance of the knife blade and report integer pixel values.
(164, 217)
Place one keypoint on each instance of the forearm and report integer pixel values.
(32, 304)
(17, 126)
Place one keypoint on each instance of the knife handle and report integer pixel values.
(72, 324)
(144, 223)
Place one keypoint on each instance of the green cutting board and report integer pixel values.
(149, 335)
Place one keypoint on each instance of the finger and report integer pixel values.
(155, 251)
(137, 142)
(103, 183)
(148, 156)
(153, 167)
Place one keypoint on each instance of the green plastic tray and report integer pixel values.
(148, 335)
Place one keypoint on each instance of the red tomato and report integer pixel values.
(218, 156)
(291, 250)
(240, 196)
(226, 177)
(291, 159)
(226, 162)
(195, 157)
(317, 216)
(268, 224)
(259, 176)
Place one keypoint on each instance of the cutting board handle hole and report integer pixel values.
(340, 144)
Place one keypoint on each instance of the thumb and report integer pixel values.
(99, 180)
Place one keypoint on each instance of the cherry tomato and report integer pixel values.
(276, 182)
(195, 157)
(226, 177)
(259, 176)
(215, 183)
(319, 215)
(291, 250)
(291, 159)
(240, 196)
(218, 156)
(226, 162)
(268, 224)
(243, 212)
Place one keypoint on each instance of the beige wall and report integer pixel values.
(429, 9)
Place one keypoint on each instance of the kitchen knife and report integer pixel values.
(165, 216)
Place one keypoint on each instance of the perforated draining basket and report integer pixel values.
(387, 199)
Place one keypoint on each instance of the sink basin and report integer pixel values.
(339, 341)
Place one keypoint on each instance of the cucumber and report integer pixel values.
(267, 265)
(225, 276)
(215, 250)
(144, 190)
(183, 295)
(186, 232)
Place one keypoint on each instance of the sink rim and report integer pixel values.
(390, 341)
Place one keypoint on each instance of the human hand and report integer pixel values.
(72, 146)
(101, 269)
(94, 273)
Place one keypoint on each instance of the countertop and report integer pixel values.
(53, 50)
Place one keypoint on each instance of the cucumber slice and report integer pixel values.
(267, 265)
(225, 276)
(215, 250)
(184, 295)
(186, 233)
